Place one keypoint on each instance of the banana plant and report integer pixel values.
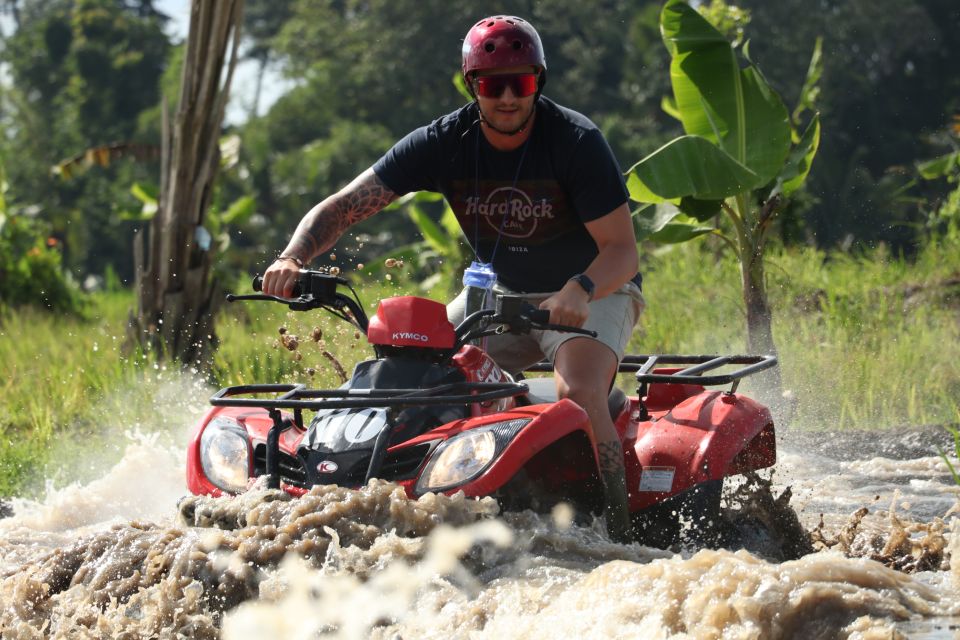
(741, 155)
(946, 217)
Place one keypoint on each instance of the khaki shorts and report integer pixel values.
(612, 317)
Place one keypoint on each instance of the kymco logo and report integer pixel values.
(406, 335)
(327, 466)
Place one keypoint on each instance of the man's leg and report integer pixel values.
(584, 369)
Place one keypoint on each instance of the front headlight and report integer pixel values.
(225, 454)
(465, 456)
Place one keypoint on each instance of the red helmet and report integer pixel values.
(502, 41)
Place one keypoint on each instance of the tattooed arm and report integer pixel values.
(323, 225)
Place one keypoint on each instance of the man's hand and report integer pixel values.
(279, 278)
(569, 306)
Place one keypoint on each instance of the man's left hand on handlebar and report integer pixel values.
(569, 306)
(280, 278)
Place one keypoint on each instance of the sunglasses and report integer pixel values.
(521, 85)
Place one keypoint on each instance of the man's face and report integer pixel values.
(508, 111)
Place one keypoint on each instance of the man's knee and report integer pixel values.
(586, 393)
(585, 368)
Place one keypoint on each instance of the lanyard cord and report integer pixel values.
(476, 194)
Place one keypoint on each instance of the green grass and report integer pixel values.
(865, 342)
(955, 432)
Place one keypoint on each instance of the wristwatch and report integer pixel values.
(297, 261)
(584, 281)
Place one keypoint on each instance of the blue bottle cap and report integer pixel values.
(479, 274)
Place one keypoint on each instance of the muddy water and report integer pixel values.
(115, 558)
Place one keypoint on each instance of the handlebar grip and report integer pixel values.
(540, 316)
(258, 286)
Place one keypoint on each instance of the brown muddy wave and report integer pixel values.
(116, 559)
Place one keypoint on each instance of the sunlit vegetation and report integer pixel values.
(955, 432)
(868, 341)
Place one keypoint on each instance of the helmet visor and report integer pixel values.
(521, 85)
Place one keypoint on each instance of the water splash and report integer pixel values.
(115, 558)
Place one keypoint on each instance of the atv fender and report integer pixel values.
(706, 437)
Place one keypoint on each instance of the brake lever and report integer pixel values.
(258, 296)
(303, 303)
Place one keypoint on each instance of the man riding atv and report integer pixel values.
(542, 201)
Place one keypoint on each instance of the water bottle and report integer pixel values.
(478, 280)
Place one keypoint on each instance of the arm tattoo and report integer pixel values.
(611, 456)
(323, 225)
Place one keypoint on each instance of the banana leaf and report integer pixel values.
(438, 239)
(689, 166)
(651, 218)
(798, 164)
(940, 167)
(679, 232)
(700, 210)
(239, 210)
(666, 224)
(733, 108)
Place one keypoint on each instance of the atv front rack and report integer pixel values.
(298, 397)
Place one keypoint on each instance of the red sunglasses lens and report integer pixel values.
(521, 85)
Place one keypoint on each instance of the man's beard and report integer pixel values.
(523, 125)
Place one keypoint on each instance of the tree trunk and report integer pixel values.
(177, 294)
(760, 331)
(262, 63)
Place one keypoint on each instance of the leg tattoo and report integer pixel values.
(613, 473)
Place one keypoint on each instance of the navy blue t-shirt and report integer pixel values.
(564, 175)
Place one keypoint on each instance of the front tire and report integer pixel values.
(689, 518)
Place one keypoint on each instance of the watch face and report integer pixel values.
(585, 282)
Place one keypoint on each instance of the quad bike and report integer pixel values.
(433, 412)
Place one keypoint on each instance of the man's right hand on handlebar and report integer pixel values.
(280, 278)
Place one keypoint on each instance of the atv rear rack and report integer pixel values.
(298, 397)
(644, 364)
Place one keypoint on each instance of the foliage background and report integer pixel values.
(83, 73)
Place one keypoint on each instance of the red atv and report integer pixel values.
(433, 412)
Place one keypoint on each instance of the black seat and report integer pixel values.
(544, 391)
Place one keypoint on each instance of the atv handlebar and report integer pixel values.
(318, 290)
(512, 315)
(315, 290)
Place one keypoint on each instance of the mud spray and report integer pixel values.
(870, 518)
